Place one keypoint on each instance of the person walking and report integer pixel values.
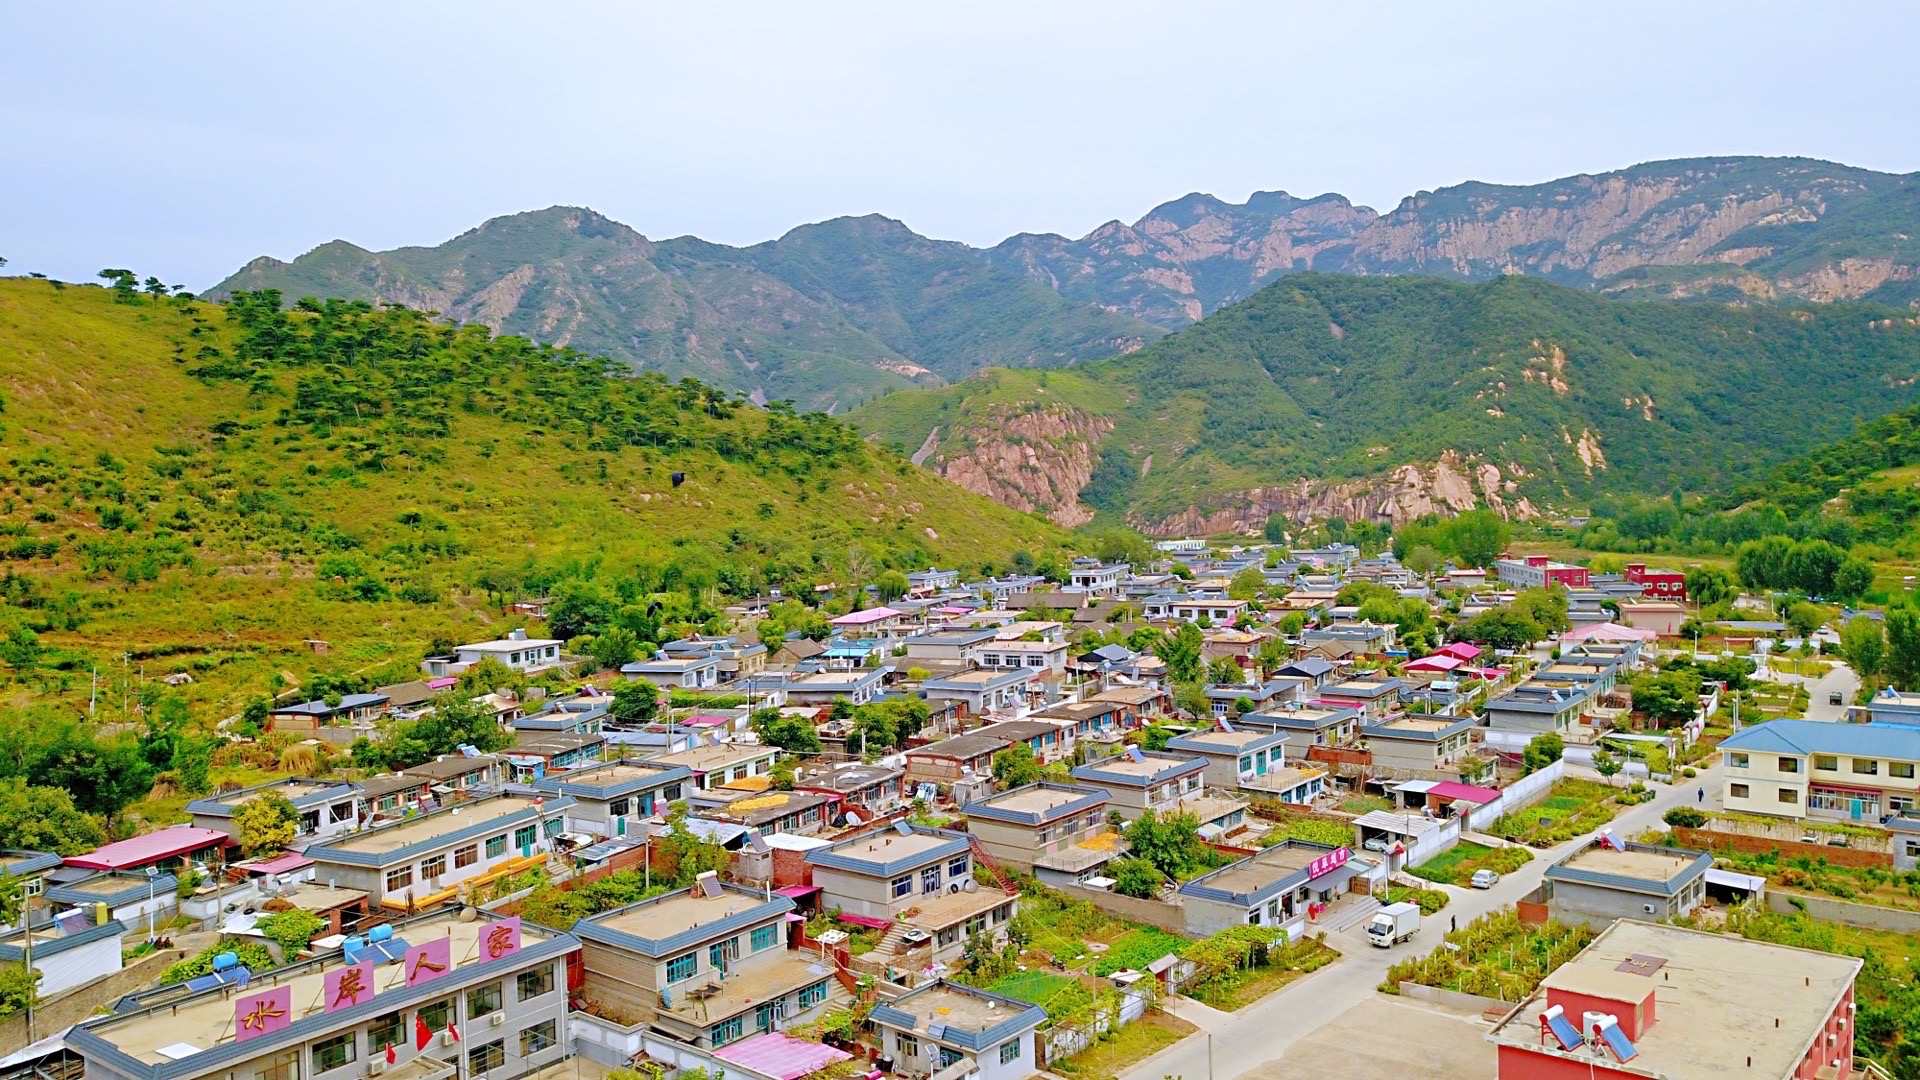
(1701, 795)
(1455, 919)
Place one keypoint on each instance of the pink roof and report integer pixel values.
(780, 1055)
(862, 618)
(956, 611)
(151, 848)
(279, 864)
(1447, 789)
(705, 720)
(1465, 650)
(1436, 662)
(1606, 631)
(442, 683)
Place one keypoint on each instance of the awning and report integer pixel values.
(1416, 787)
(1339, 875)
(1478, 796)
(280, 864)
(797, 892)
(1727, 879)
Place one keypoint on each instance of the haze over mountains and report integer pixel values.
(832, 314)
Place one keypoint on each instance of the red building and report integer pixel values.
(1658, 584)
(1540, 572)
(1652, 1000)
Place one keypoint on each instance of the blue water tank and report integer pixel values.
(226, 960)
(380, 933)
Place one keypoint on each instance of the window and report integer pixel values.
(487, 1056)
(1789, 765)
(437, 1015)
(1866, 767)
(383, 1031)
(281, 1067)
(909, 1048)
(538, 981)
(399, 878)
(537, 1038)
(466, 856)
(1736, 791)
(1901, 769)
(957, 868)
(434, 867)
(765, 937)
(720, 953)
(524, 836)
(1009, 1051)
(902, 885)
(725, 1033)
(335, 1053)
(930, 879)
(1788, 795)
(555, 826)
(813, 995)
(1913, 849)
(620, 807)
(1826, 762)
(496, 846)
(679, 969)
(1737, 761)
(1246, 764)
(482, 1000)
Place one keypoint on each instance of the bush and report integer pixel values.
(253, 956)
(292, 930)
(1136, 950)
(1685, 817)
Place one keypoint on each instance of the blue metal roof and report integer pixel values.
(1085, 799)
(581, 783)
(130, 887)
(42, 947)
(21, 863)
(1898, 741)
(837, 857)
(1024, 1016)
(526, 815)
(593, 927)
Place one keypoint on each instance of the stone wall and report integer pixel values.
(1159, 913)
(1454, 999)
(1865, 916)
(84, 1001)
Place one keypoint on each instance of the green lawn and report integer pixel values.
(1457, 865)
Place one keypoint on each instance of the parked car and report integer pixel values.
(1837, 841)
(1835, 698)
(1378, 844)
(1485, 879)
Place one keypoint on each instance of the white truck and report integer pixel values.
(1394, 924)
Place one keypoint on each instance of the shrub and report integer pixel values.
(1685, 817)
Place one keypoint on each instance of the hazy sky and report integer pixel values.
(182, 140)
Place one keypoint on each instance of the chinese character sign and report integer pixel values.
(429, 960)
(500, 939)
(349, 986)
(262, 1014)
(1332, 860)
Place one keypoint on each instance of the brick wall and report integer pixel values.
(1709, 840)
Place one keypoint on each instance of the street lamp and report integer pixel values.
(153, 875)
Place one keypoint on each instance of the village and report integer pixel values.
(1239, 812)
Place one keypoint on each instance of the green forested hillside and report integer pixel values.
(214, 489)
(1324, 378)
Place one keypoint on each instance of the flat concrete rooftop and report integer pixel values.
(1639, 865)
(394, 837)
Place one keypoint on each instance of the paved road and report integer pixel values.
(1259, 1033)
(1841, 679)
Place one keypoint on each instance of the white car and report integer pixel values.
(1485, 879)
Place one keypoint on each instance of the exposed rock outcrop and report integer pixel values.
(1035, 459)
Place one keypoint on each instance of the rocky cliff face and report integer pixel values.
(1447, 486)
(1035, 458)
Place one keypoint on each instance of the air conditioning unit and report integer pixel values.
(447, 1039)
(376, 1067)
(496, 1018)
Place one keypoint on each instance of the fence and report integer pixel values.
(1157, 913)
(1066, 1040)
(1865, 916)
(1859, 837)
(1518, 795)
(1454, 999)
(1715, 840)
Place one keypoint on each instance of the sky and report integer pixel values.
(183, 140)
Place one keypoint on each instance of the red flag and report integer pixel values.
(391, 1056)
(422, 1034)
(453, 1030)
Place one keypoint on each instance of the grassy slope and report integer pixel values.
(1265, 392)
(81, 376)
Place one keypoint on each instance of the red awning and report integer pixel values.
(1447, 789)
(797, 892)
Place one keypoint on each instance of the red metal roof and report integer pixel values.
(151, 848)
(279, 864)
(781, 1056)
(1447, 789)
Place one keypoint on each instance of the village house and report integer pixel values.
(907, 878)
(455, 774)
(1095, 578)
(1143, 780)
(1306, 726)
(1835, 772)
(699, 671)
(857, 687)
(738, 659)
(1143, 703)
(793, 651)
(323, 807)
(1539, 572)
(1057, 832)
(980, 692)
(933, 580)
(67, 953)
(1426, 745)
(1646, 1000)
(136, 900)
(312, 715)
(614, 797)
(1372, 696)
(1317, 671)
(536, 754)
(418, 862)
(948, 1029)
(1663, 617)
(1044, 657)
(1252, 760)
(876, 622)
(1049, 740)
(1658, 584)
(711, 764)
(1610, 879)
(1191, 609)
(1264, 696)
(493, 998)
(166, 849)
(1360, 638)
(951, 759)
(949, 647)
(759, 807)
(869, 790)
(1535, 707)
(516, 651)
(29, 868)
(1270, 888)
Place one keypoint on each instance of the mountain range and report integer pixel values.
(835, 313)
(1389, 398)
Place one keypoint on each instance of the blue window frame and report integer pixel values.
(765, 937)
(729, 1031)
(813, 995)
(681, 968)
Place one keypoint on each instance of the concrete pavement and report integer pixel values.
(1232, 1044)
(1840, 679)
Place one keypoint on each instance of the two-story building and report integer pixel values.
(1413, 743)
(918, 884)
(612, 798)
(1813, 769)
(516, 651)
(1057, 832)
(420, 861)
(323, 807)
(1252, 760)
(708, 965)
(489, 994)
(1540, 572)
(1142, 780)
(982, 691)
